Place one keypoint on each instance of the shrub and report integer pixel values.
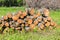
(51, 4)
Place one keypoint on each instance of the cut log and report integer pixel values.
(19, 21)
(18, 28)
(38, 14)
(41, 26)
(15, 18)
(9, 15)
(53, 23)
(32, 11)
(32, 26)
(26, 24)
(30, 21)
(39, 19)
(24, 13)
(5, 17)
(46, 12)
(49, 19)
(45, 19)
(27, 28)
(47, 24)
(36, 22)
(6, 24)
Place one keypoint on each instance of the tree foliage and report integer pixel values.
(11, 3)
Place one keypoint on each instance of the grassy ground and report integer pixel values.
(43, 35)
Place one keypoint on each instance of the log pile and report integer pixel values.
(27, 20)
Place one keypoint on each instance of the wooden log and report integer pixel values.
(19, 13)
(27, 28)
(41, 26)
(6, 30)
(45, 19)
(26, 24)
(35, 22)
(18, 28)
(22, 25)
(24, 13)
(9, 15)
(38, 14)
(50, 27)
(30, 21)
(32, 26)
(20, 21)
(47, 24)
(6, 24)
(3, 23)
(46, 12)
(39, 18)
(49, 18)
(32, 11)
(17, 24)
(35, 16)
(53, 23)
(29, 17)
(11, 26)
(21, 16)
(5, 17)
(15, 18)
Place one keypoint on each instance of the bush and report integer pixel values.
(51, 4)
(9, 3)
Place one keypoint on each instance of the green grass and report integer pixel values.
(5, 10)
(55, 16)
(43, 35)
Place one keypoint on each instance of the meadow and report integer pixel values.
(53, 34)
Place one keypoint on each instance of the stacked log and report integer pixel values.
(27, 20)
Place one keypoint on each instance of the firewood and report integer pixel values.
(27, 20)
(17, 24)
(22, 16)
(38, 14)
(49, 18)
(39, 19)
(5, 17)
(41, 26)
(20, 21)
(9, 15)
(47, 24)
(3, 23)
(50, 28)
(6, 30)
(30, 21)
(6, 24)
(22, 25)
(35, 22)
(35, 16)
(32, 11)
(46, 12)
(24, 13)
(53, 23)
(15, 18)
(26, 24)
(45, 19)
(11, 26)
(32, 26)
(19, 12)
(27, 28)
(18, 28)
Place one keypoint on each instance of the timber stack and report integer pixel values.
(27, 20)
